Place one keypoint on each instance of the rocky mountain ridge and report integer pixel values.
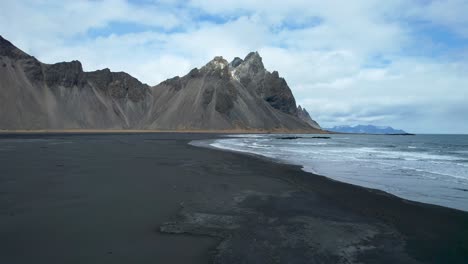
(304, 116)
(240, 95)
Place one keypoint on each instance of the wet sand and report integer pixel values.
(153, 198)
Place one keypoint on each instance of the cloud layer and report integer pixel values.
(399, 63)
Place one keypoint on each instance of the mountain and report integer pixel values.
(34, 95)
(304, 116)
(366, 129)
(241, 95)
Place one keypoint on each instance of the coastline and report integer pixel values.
(309, 167)
(410, 218)
(248, 207)
(150, 131)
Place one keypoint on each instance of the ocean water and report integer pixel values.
(427, 168)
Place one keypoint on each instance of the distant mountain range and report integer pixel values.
(237, 96)
(366, 129)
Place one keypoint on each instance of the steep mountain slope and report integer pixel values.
(304, 116)
(34, 95)
(241, 95)
(212, 97)
(269, 86)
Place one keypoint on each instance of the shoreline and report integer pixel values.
(207, 144)
(150, 131)
(385, 207)
(225, 207)
(301, 167)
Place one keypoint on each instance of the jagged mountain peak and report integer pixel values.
(5, 44)
(253, 63)
(217, 66)
(9, 50)
(300, 108)
(241, 95)
(236, 62)
(74, 64)
(253, 56)
(218, 61)
(251, 73)
(305, 116)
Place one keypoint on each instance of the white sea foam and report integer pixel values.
(389, 163)
(246, 136)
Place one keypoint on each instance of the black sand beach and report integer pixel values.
(153, 198)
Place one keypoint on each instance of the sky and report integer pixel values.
(398, 63)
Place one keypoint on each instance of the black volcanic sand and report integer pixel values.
(153, 198)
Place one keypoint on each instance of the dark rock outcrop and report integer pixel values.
(241, 95)
(118, 85)
(304, 116)
(7, 49)
(65, 74)
(252, 74)
(212, 98)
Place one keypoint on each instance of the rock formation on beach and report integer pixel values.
(241, 95)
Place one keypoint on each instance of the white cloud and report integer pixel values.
(28, 21)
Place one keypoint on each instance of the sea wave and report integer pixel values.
(402, 166)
